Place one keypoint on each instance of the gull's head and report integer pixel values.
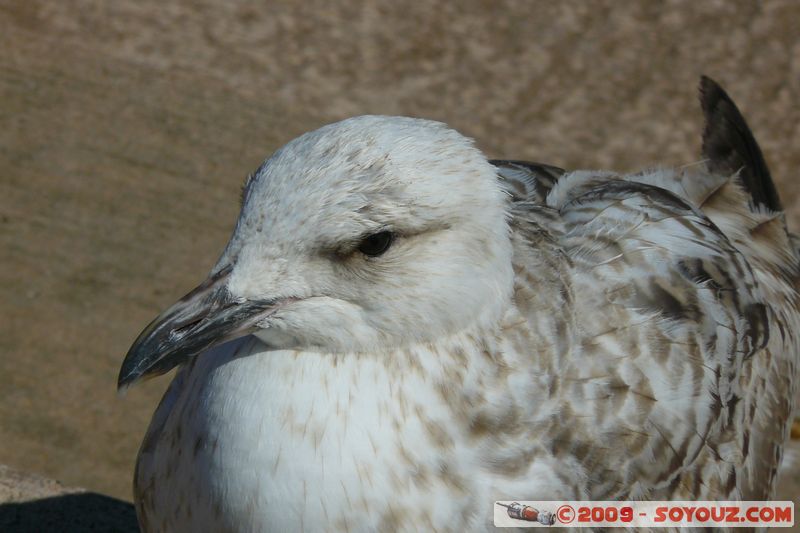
(369, 234)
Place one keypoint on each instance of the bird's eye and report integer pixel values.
(377, 244)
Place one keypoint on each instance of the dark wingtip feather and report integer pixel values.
(729, 145)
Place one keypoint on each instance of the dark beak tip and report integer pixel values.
(123, 385)
(128, 373)
(141, 359)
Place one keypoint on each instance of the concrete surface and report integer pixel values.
(128, 127)
(29, 503)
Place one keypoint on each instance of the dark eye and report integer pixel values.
(377, 244)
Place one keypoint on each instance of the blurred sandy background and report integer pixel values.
(127, 128)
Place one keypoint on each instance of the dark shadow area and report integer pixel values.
(72, 513)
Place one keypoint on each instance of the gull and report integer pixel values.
(401, 332)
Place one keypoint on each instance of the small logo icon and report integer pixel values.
(565, 514)
(529, 514)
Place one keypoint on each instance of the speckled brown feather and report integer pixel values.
(698, 274)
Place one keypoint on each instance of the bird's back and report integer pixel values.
(679, 342)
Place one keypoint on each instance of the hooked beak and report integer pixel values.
(204, 318)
